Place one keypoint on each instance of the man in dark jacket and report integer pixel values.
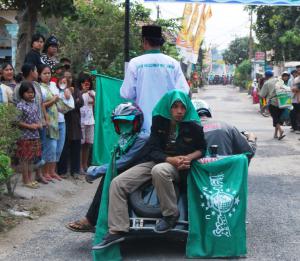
(34, 55)
(176, 140)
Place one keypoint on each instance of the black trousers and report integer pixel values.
(92, 214)
(276, 114)
(295, 116)
(70, 153)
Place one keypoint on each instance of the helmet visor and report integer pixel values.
(124, 117)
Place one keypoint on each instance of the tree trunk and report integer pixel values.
(27, 19)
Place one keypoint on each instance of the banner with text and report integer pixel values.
(244, 2)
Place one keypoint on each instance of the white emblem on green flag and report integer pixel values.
(220, 203)
(217, 202)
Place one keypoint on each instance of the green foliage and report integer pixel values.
(237, 51)
(242, 74)
(5, 169)
(9, 133)
(278, 28)
(46, 7)
(97, 31)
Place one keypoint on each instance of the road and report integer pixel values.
(273, 228)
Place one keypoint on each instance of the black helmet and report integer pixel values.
(202, 108)
(128, 111)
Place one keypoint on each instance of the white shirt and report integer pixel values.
(87, 110)
(148, 78)
(6, 93)
(61, 94)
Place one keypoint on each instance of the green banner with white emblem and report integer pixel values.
(217, 201)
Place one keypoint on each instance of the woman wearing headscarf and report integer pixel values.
(176, 140)
(50, 52)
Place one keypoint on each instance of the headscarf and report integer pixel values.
(163, 107)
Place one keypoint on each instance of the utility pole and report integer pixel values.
(126, 36)
(158, 12)
(250, 54)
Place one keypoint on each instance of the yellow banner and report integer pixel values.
(194, 20)
(182, 37)
(200, 32)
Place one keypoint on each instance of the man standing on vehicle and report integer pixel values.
(151, 75)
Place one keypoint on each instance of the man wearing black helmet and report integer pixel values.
(151, 75)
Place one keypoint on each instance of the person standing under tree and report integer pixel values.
(34, 55)
(29, 145)
(50, 51)
(87, 118)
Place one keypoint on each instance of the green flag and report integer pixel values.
(217, 202)
(111, 253)
(107, 98)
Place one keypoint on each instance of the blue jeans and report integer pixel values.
(61, 140)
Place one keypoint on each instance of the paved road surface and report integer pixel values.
(273, 207)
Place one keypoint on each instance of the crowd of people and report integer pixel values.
(55, 114)
(268, 89)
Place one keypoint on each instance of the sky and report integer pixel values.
(227, 22)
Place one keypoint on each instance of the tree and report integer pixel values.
(242, 74)
(278, 28)
(237, 51)
(27, 17)
(97, 33)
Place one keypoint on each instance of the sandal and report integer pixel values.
(78, 226)
(30, 185)
(282, 135)
(42, 180)
(48, 178)
(55, 176)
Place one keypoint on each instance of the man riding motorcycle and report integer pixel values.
(128, 120)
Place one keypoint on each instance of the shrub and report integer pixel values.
(242, 74)
(5, 169)
(9, 133)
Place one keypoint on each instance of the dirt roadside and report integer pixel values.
(44, 204)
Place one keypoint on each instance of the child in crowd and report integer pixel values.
(50, 134)
(64, 104)
(87, 118)
(30, 74)
(72, 147)
(29, 146)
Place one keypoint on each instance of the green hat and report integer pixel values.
(163, 107)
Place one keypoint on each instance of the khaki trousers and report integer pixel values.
(162, 175)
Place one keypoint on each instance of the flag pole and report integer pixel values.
(126, 37)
